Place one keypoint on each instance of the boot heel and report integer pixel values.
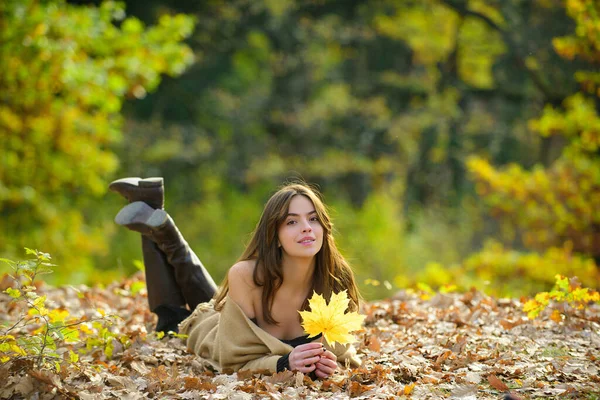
(140, 217)
(148, 190)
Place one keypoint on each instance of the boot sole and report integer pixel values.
(139, 182)
(140, 217)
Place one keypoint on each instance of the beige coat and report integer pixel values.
(227, 339)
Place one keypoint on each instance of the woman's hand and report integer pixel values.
(305, 356)
(327, 365)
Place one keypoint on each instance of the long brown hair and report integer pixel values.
(332, 273)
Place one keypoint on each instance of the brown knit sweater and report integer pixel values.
(227, 339)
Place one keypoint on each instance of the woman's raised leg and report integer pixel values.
(160, 278)
(165, 298)
(195, 282)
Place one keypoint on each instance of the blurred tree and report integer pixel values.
(64, 73)
(355, 94)
(365, 98)
(380, 102)
(558, 203)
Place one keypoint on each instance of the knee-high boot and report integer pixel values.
(164, 294)
(194, 281)
(160, 278)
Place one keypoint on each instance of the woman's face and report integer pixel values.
(301, 233)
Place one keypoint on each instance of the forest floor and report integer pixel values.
(459, 346)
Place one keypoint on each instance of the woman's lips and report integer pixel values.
(307, 241)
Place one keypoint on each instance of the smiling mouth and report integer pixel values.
(306, 241)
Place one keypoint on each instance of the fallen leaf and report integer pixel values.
(140, 367)
(193, 383)
(299, 379)
(497, 383)
(280, 377)
(408, 389)
(464, 392)
(24, 386)
(356, 388)
(247, 374)
(374, 344)
(473, 377)
(508, 325)
(556, 316)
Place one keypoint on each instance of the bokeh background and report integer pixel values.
(456, 142)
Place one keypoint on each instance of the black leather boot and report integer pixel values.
(193, 279)
(161, 283)
(163, 291)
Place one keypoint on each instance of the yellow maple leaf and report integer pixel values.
(331, 319)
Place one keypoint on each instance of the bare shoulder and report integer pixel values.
(242, 289)
(242, 272)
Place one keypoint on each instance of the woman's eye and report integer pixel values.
(315, 219)
(291, 222)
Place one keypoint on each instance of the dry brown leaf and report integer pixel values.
(442, 357)
(247, 374)
(299, 379)
(25, 386)
(356, 388)
(497, 383)
(193, 383)
(412, 338)
(430, 379)
(464, 391)
(330, 386)
(467, 297)
(46, 377)
(461, 342)
(286, 376)
(374, 344)
(140, 367)
(159, 373)
(508, 325)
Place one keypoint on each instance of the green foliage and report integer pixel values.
(501, 272)
(370, 237)
(358, 96)
(557, 204)
(40, 330)
(65, 72)
(567, 292)
(512, 272)
(585, 43)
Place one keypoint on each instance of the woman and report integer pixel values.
(251, 322)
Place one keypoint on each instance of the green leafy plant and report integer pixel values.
(568, 293)
(41, 333)
(66, 71)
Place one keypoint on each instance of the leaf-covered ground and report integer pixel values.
(461, 346)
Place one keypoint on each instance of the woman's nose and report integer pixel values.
(306, 227)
